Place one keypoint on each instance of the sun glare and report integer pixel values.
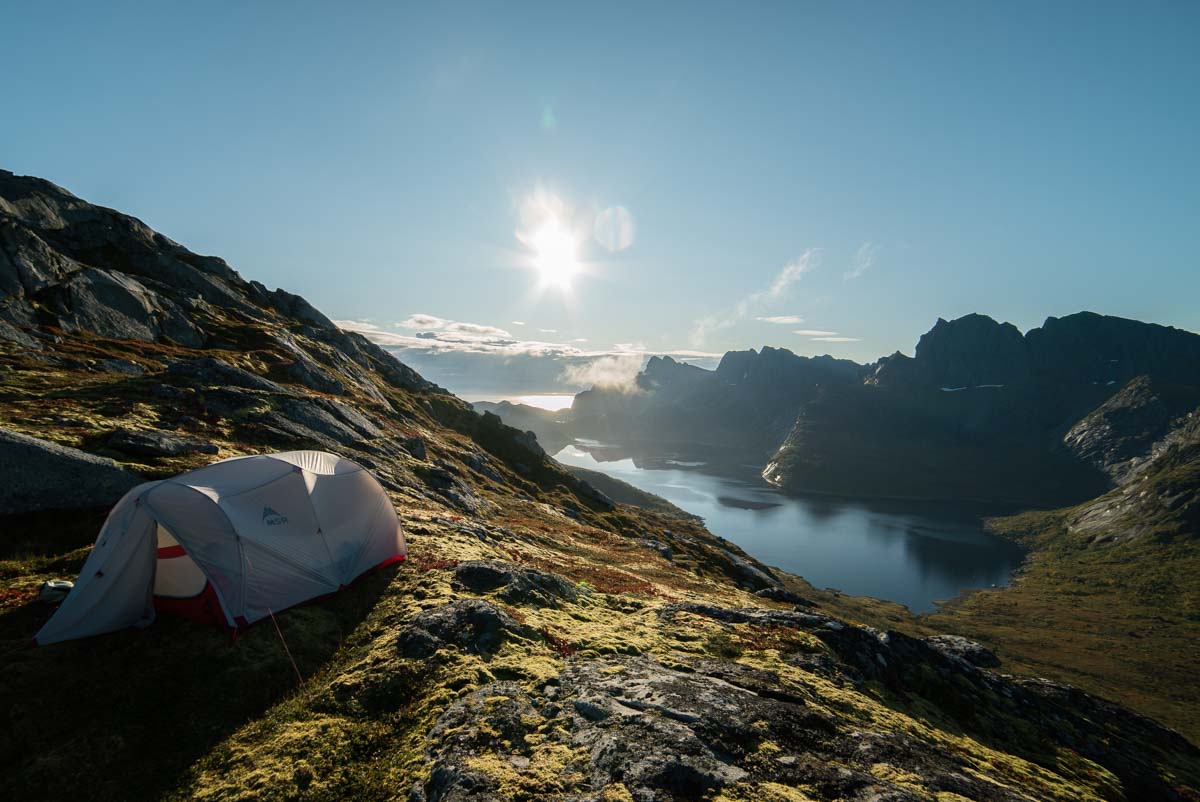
(555, 253)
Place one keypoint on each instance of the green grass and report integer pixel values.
(1122, 622)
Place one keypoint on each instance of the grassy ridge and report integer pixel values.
(1122, 622)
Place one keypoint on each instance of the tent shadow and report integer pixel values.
(124, 716)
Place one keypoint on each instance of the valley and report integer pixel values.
(547, 637)
(1089, 420)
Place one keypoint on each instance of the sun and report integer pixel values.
(555, 253)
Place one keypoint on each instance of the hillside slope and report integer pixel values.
(541, 641)
(1110, 598)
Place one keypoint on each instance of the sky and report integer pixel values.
(530, 197)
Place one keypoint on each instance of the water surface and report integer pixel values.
(914, 553)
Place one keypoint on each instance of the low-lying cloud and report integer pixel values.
(482, 360)
(617, 371)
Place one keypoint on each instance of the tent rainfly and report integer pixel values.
(232, 543)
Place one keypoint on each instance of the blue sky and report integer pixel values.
(893, 162)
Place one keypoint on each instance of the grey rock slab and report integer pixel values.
(155, 443)
(39, 475)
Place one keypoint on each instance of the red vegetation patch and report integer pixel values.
(559, 645)
(596, 577)
(12, 597)
(429, 563)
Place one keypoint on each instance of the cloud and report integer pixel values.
(864, 257)
(782, 320)
(814, 333)
(518, 322)
(786, 277)
(615, 372)
(454, 335)
(420, 321)
(548, 331)
(476, 329)
(837, 339)
(470, 358)
(428, 323)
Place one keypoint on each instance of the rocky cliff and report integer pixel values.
(980, 412)
(542, 641)
(748, 403)
(983, 412)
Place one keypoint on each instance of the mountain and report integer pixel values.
(541, 641)
(739, 412)
(549, 425)
(980, 412)
(984, 412)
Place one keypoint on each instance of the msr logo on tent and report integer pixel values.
(272, 518)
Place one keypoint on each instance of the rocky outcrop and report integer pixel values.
(965, 649)
(471, 624)
(514, 584)
(78, 267)
(208, 371)
(155, 443)
(1159, 494)
(637, 728)
(1121, 434)
(39, 475)
(119, 306)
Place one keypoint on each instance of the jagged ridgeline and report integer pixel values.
(542, 641)
(980, 412)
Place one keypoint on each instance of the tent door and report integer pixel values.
(180, 587)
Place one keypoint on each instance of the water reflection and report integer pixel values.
(915, 553)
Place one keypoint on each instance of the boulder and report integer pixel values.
(156, 443)
(38, 475)
(293, 306)
(517, 584)
(957, 646)
(664, 550)
(786, 596)
(414, 445)
(470, 624)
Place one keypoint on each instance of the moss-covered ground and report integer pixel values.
(182, 711)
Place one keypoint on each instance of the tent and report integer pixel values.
(233, 542)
